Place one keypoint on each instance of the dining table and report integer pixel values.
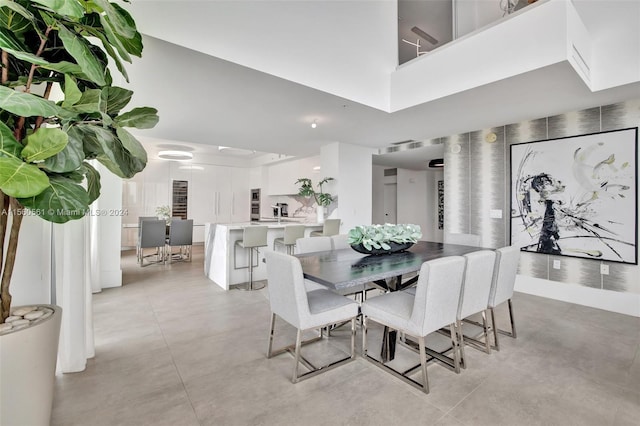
(346, 270)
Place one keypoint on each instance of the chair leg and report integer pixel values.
(463, 360)
(423, 364)
(364, 336)
(513, 324)
(353, 338)
(495, 330)
(485, 327)
(294, 379)
(271, 333)
(454, 343)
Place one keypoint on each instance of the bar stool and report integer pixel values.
(253, 237)
(291, 234)
(329, 228)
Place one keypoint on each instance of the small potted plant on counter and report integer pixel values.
(323, 199)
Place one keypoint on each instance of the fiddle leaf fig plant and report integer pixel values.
(379, 236)
(62, 46)
(306, 190)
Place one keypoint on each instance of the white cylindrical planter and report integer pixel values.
(320, 214)
(27, 372)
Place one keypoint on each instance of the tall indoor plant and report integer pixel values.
(323, 199)
(64, 46)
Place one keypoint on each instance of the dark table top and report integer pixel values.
(348, 269)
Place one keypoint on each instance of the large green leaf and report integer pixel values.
(8, 41)
(140, 118)
(131, 144)
(29, 105)
(78, 47)
(9, 146)
(113, 99)
(119, 22)
(109, 49)
(71, 8)
(44, 143)
(19, 179)
(133, 45)
(66, 67)
(102, 144)
(70, 158)
(15, 17)
(93, 181)
(89, 101)
(71, 92)
(61, 201)
(113, 39)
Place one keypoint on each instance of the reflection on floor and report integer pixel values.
(174, 349)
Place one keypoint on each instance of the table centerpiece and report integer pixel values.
(383, 239)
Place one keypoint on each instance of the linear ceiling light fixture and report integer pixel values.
(438, 162)
(175, 155)
(424, 35)
(236, 151)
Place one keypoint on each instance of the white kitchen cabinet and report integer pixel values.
(241, 195)
(283, 176)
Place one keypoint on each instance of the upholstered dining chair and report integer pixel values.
(313, 244)
(476, 286)
(140, 219)
(329, 228)
(478, 278)
(504, 278)
(463, 239)
(180, 235)
(153, 234)
(304, 310)
(340, 241)
(434, 305)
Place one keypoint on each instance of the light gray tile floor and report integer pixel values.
(172, 348)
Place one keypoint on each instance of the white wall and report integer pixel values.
(469, 15)
(412, 199)
(377, 194)
(108, 218)
(347, 48)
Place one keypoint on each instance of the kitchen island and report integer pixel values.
(220, 239)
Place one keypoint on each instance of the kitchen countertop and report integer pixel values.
(271, 224)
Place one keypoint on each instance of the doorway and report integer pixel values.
(390, 200)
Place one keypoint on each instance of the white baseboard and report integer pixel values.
(111, 278)
(614, 301)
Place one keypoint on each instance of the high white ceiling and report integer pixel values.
(206, 100)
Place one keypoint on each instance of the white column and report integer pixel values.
(107, 218)
(71, 288)
(351, 166)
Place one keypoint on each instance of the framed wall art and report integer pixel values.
(577, 196)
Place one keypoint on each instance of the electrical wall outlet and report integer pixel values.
(556, 264)
(604, 269)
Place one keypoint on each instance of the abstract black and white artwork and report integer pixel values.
(577, 196)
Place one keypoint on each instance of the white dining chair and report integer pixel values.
(434, 305)
(504, 279)
(304, 310)
(340, 241)
(476, 287)
(313, 244)
(329, 228)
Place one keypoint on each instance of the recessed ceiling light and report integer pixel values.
(175, 155)
(316, 168)
(235, 151)
(314, 124)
